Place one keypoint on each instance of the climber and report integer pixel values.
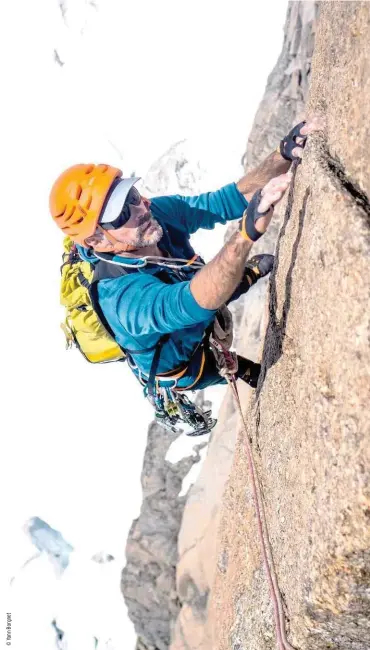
(156, 295)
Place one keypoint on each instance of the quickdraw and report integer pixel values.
(173, 409)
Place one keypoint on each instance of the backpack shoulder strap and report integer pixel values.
(105, 269)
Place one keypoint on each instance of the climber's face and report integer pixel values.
(133, 226)
(141, 229)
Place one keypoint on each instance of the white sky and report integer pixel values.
(142, 76)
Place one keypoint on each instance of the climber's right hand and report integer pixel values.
(259, 212)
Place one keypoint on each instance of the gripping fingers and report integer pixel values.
(314, 123)
(289, 144)
(268, 201)
(273, 191)
(298, 151)
(279, 183)
(247, 226)
(260, 205)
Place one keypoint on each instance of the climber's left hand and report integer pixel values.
(291, 147)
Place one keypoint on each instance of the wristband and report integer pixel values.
(247, 226)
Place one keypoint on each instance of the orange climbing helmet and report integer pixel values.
(77, 198)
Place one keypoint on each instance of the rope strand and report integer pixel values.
(265, 543)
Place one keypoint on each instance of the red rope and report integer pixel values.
(275, 594)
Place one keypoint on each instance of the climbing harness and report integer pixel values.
(172, 407)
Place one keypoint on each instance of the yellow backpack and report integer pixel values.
(85, 325)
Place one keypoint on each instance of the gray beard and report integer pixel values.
(143, 241)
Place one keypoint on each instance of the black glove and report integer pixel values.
(289, 143)
(247, 223)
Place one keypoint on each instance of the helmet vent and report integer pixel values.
(78, 192)
(61, 214)
(89, 169)
(71, 212)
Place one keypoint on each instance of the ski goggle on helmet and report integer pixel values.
(116, 210)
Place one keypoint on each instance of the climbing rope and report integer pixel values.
(264, 539)
(276, 598)
(227, 366)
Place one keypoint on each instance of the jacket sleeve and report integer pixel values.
(146, 306)
(203, 211)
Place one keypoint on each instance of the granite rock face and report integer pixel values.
(309, 424)
(199, 561)
(282, 106)
(286, 91)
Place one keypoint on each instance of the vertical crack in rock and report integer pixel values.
(337, 171)
(276, 328)
(258, 421)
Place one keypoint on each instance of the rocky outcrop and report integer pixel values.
(285, 97)
(198, 558)
(148, 580)
(282, 106)
(310, 425)
(197, 544)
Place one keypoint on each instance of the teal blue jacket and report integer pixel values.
(140, 307)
